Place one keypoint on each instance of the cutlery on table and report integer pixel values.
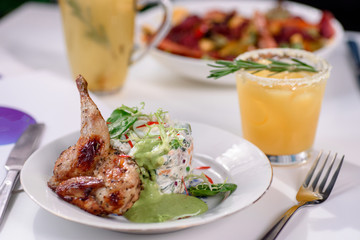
(27, 143)
(354, 49)
(311, 191)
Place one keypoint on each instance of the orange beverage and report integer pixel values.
(279, 112)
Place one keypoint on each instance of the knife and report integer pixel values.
(354, 49)
(27, 143)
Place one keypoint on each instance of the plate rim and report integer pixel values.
(141, 228)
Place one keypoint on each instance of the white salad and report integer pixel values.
(167, 143)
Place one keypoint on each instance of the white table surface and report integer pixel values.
(32, 51)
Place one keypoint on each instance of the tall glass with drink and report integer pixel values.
(99, 37)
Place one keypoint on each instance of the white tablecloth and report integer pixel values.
(35, 77)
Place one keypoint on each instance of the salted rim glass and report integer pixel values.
(285, 54)
(320, 64)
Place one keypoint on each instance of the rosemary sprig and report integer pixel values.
(226, 67)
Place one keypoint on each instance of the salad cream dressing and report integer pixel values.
(172, 166)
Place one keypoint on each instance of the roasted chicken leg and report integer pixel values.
(91, 174)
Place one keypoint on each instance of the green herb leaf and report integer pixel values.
(175, 143)
(205, 190)
(121, 119)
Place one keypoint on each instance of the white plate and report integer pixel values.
(197, 69)
(228, 155)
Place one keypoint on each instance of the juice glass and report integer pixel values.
(280, 111)
(99, 37)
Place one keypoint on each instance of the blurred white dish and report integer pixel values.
(230, 157)
(197, 69)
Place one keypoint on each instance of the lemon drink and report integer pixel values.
(99, 38)
(280, 100)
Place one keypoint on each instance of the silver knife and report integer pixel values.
(28, 142)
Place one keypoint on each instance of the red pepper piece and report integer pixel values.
(208, 178)
(148, 123)
(183, 181)
(202, 167)
(130, 143)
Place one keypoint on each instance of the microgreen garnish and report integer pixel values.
(121, 119)
(226, 67)
(205, 190)
(203, 186)
(121, 127)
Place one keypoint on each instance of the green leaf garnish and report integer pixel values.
(121, 123)
(206, 190)
(175, 143)
(121, 119)
(226, 67)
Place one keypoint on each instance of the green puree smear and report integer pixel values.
(154, 206)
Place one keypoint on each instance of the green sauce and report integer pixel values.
(154, 206)
(148, 153)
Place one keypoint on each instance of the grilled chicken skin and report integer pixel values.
(91, 174)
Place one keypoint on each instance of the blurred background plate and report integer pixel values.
(197, 69)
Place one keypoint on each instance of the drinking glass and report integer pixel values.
(99, 36)
(280, 111)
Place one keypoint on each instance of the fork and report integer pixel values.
(310, 193)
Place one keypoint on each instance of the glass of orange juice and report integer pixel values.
(99, 37)
(280, 110)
